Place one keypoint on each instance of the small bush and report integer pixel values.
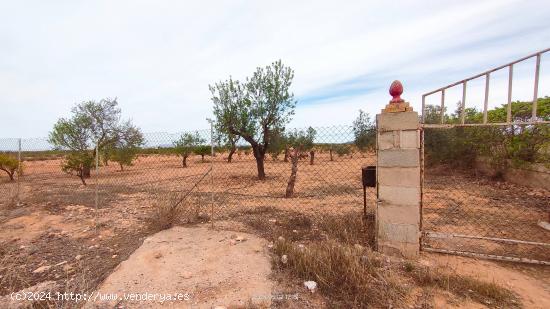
(9, 165)
(165, 213)
(342, 150)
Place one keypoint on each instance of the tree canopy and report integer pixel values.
(92, 124)
(364, 131)
(187, 144)
(254, 108)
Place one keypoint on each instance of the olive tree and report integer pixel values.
(186, 145)
(125, 148)
(203, 150)
(92, 124)
(255, 108)
(277, 144)
(226, 140)
(300, 142)
(364, 131)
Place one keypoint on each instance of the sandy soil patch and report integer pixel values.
(534, 292)
(214, 267)
(29, 227)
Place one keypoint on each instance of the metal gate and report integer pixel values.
(474, 199)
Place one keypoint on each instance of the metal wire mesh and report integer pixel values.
(480, 203)
(212, 187)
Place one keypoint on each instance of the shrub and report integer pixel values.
(515, 144)
(79, 163)
(364, 131)
(186, 144)
(203, 150)
(9, 165)
(342, 150)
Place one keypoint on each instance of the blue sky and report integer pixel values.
(158, 57)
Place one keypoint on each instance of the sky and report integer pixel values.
(158, 57)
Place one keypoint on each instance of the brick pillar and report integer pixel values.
(398, 177)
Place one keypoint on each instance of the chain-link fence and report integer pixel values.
(80, 228)
(205, 187)
(484, 192)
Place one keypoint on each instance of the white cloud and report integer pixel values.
(158, 57)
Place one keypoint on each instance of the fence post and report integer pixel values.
(398, 178)
(19, 167)
(212, 172)
(96, 202)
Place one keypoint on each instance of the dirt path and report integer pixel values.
(534, 291)
(206, 267)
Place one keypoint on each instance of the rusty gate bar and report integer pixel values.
(428, 235)
(486, 100)
(536, 88)
(487, 256)
(463, 103)
(509, 106)
(443, 106)
(487, 73)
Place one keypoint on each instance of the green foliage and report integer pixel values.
(255, 108)
(186, 145)
(278, 143)
(226, 140)
(9, 165)
(342, 150)
(364, 131)
(301, 140)
(125, 147)
(92, 124)
(79, 163)
(203, 150)
(515, 144)
(124, 156)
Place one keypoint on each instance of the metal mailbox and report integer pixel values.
(369, 176)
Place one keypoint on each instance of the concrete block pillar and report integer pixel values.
(398, 178)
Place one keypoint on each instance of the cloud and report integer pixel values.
(159, 57)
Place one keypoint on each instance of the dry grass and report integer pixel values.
(165, 213)
(487, 293)
(350, 228)
(352, 277)
(171, 209)
(356, 277)
(12, 273)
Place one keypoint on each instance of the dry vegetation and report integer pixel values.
(326, 237)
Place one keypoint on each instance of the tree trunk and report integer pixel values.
(311, 157)
(330, 151)
(184, 161)
(82, 178)
(121, 167)
(202, 158)
(286, 154)
(230, 156)
(259, 155)
(292, 180)
(10, 173)
(85, 172)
